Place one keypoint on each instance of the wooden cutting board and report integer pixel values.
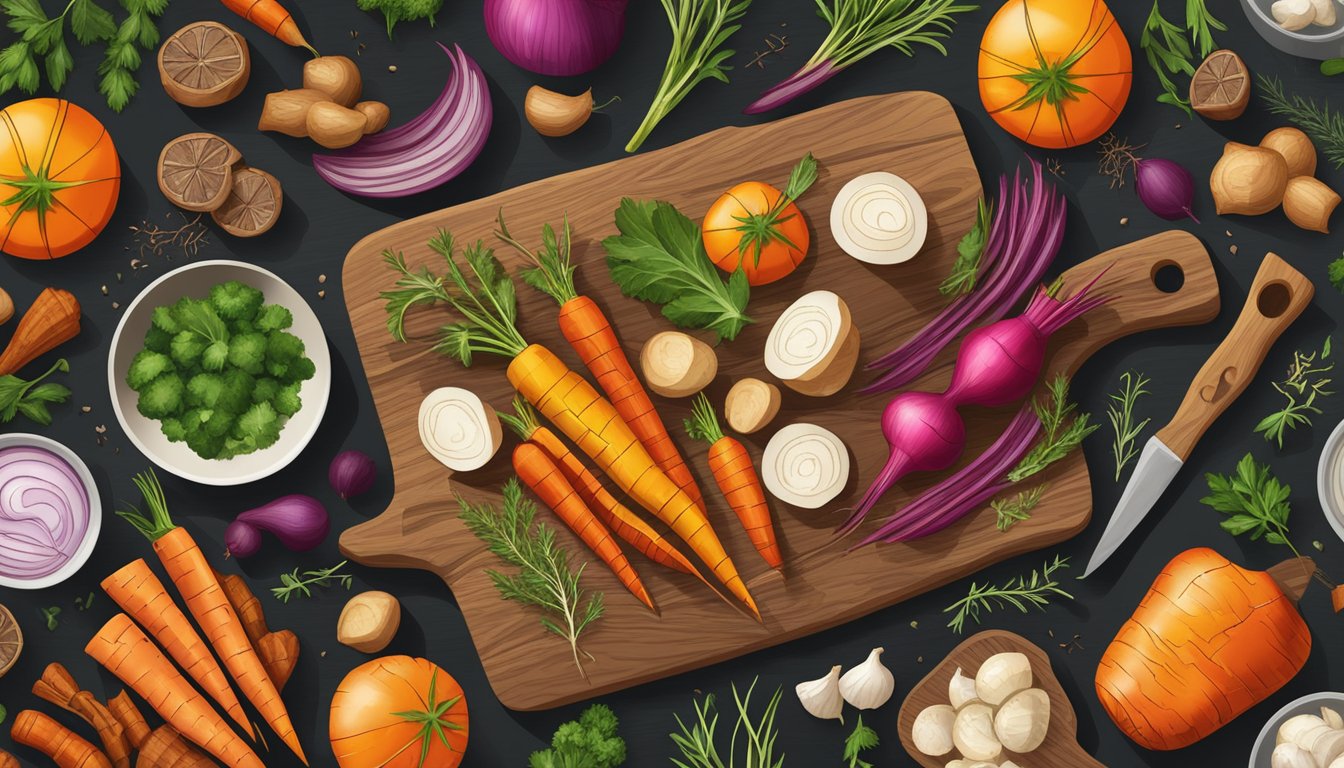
(1060, 748)
(914, 134)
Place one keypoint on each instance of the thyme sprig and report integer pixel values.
(295, 584)
(1121, 415)
(1022, 593)
(1062, 431)
(1012, 511)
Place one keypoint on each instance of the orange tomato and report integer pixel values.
(389, 712)
(1055, 73)
(59, 178)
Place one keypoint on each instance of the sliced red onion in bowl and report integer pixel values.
(45, 512)
(435, 147)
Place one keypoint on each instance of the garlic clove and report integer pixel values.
(932, 731)
(1323, 13)
(1338, 763)
(1332, 718)
(821, 697)
(961, 690)
(1327, 747)
(1002, 675)
(870, 684)
(1293, 15)
(973, 733)
(1009, 764)
(1023, 720)
(1295, 726)
(1289, 755)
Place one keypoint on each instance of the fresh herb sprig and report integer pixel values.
(1022, 593)
(1254, 500)
(589, 742)
(699, 748)
(1124, 430)
(1062, 431)
(1171, 51)
(660, 257)
(861, 740)
(1324, 124)
(1306, 380)
(295, 584)
(1336, 274)
(31, 398)
(699, 30)
(136, 33)
(546, 577)
(1010, 512)
(966, 269)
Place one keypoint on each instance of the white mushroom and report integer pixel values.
(932, 731)
(961, 690)
(1023, 720)
(1293, 15)
(973, 733)
(821, 697)
(1002, 675)
(1295, 726)
(1289, 755)
(1324, 11)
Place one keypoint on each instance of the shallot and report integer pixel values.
(352, 473)
(300, 523)
(1164, 186)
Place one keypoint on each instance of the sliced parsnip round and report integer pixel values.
(459, 429)
(751, 404)
(677, 365)
(814, 346)
(805, 465)
(880, 219)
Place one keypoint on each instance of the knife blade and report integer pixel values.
(1277, 297)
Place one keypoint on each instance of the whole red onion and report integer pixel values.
(300, 523)
(352, 473)
(556, 37)
(1165, 187)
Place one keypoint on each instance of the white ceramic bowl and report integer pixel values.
(196, 280)
(81, 556)
(1311, 43)
(1309, 704)
(1330, 480)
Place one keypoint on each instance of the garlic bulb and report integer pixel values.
(1327, 746)
(1289, 755)
(1002, 675)
(932, 731)
(869, 685)
(1021, 723)
(961, 690)
(973, 733)
(1332, 718)
(1294, 727)
(821, 697)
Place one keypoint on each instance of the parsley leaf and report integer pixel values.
(31, 397)
(863, 738)
(966, 269)
(1337, 273)
(660, 257)
(1254, 501)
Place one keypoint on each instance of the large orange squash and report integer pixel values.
(1055, 73)
(1209, 641)
(59, 178)
(398, 712)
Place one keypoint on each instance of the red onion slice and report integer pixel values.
(44, 512)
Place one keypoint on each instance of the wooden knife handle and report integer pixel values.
(1278, 296)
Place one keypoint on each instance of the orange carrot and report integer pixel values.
(63, 746)
(52, 320)
(209, 605)
(539, 472)
(272, 17)
(130, 719)
(126, 652)
(165, 748)
(142, 596)
(615, 515)
(586, 328)
(279, 651)
(58, 686)
(8, 761)
(736, 475)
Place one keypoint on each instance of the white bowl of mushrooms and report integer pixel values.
(1307, 733)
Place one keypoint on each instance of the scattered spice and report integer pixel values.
(321, 279)
(1055, 167)
(914, 625)
(1072, 645)
(103, 289)
(85, 409)
(167, 241)
(775, 44)
(1318, 545)
(116, 305)
(50, 615)
(321, 294)
(392, 68)
(1232, 249)
(84, 603)
(1124, 221)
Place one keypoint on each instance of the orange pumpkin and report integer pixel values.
(760, 229)
(398, 712)
(59, 178)
(1055, 73)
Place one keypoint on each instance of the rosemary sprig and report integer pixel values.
(966, 269)
(301, 584)
(1062, 432)
(697, 743)
(546, 578)
(1013, 511)
(1322, 123)
(1121, 414)
(1022, 593)
(1254, 501)
(1305, 382)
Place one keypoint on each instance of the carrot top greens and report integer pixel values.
(158, 523)
(553, 272)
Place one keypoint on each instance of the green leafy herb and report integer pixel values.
(294, 584)
(31, 398)
(1336, 274)
(1169, 52)
(1254, 501)
(4, 713)
(589, 742)
(862, 739)
(660, 257)
(1322, 123)
(136, 33)
(1022, 593)
(1306, 381)
(1121, 414)
(1062, 431)
(51, 614)
(1200, 23)
(432, 721)
(699, 30)
(698, 745)
(1013, 511)
(966, 269)
(546, 578)
(402, 10)
(1332, 67)
(84, 603)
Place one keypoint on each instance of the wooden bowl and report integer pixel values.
(1060, 748)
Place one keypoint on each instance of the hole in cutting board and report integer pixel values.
(1168, 277)
(1274, 299)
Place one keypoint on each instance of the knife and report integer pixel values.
(1278, 296)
